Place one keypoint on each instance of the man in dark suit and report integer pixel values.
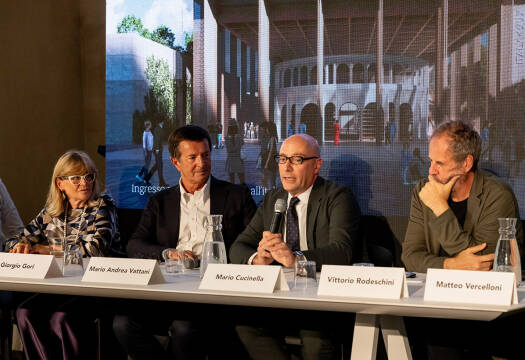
(174, 218)
(321, 224)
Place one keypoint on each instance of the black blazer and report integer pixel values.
(158, 228)
(332, 225)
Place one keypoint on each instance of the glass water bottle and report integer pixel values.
(507, 256)
(213, 249)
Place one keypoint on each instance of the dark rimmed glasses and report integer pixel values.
(294, 160)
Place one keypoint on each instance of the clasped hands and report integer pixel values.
(272, 247)
(176, 255)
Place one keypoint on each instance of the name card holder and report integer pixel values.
(363, 282)
(28, 266)
(262, 279)
(473, 287)
(123, 271)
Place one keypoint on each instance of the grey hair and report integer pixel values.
(463, 140)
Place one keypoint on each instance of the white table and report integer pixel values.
(371, 315)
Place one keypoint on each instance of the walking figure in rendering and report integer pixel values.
(234, 143)
(337, 129)
(147, 148)
(269, 164)
(158, 137)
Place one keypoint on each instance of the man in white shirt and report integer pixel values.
(321, 224)
(174, 218)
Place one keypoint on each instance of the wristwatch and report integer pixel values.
(299, 256)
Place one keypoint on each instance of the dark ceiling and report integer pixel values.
(409, 26)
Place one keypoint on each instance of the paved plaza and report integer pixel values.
(373, 172)
(368, 169)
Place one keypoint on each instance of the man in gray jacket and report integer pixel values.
(453, 224)
(10, 223)
(454, 215)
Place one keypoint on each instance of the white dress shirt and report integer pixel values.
(147, 141)
(302, 213)
(193, 211)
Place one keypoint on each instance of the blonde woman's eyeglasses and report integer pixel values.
(77, 179)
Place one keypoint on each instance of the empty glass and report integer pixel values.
(507, 256)
(305, 275)
(174, 260)
(174, 266)
(178, 260)
(57, 250)
(68, 255)
(213, 249)
(73, 262)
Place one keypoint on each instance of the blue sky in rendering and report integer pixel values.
(175, 14)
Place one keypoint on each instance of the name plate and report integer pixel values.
(123, 271)
(28, 266)
(473, 287)
(245, 278)
(363, 282)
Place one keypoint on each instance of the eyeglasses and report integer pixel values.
(294, 160)
(77, 179)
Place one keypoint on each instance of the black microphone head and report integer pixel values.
(280, 206)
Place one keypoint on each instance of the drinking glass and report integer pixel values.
(174, 260)
(57, 250)
(73, 261)
(363, 264)
(305, 275)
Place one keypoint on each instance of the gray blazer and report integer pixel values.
(332, 225)
(489, 199)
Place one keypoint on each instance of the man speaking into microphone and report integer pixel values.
(321, 220)
(320, 223)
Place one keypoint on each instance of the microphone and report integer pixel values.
(279, 209)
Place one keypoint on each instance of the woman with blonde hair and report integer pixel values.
(75, 210)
